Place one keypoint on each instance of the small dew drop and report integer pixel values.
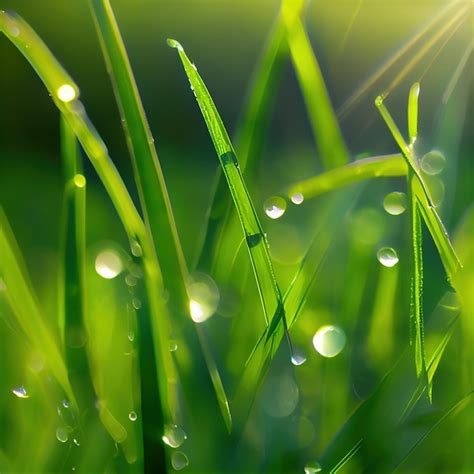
(395, 203)
(312, 467)
(298, 359)
(274, 207)
(136, 303)
(433, 162)
(130, 280)
(131, 336)
(136, 248)
(281, 396)
(173, 346)
(108, 264)
(179, 461)
(329, 341)
(62, 435)
(174, 436)
(76, 442)
(132, 416)
(79, 181)
(66, 93)
(387, 256)
(20, 392)
(297, 198)
(203, 297)
(65, 404)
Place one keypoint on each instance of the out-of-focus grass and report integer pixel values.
(125, 375)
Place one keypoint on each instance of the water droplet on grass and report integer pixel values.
(433, 162)
(174, 436)
(387, 256)
(136, 248)
(20, 392)
(395, 203)
(108, 264)
(62, 435)
(66, 93)
(329, 340)
(132, 416)
(179, 461)
(131, 336)
(298, 359)
(65, 404)
(136, 303)
(203, 297)
(79, 181)
(173, 345)
(297, 198)
(281, 396)
(274, 207)
(312, 467)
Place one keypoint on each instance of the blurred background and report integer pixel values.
(352, 39)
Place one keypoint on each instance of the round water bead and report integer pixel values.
(132, 416)
(312, 467)
(20, 392)
(179, 460)
(108, 264)
(274, 207)
(66, 93)
(203, 297)
(395, 203)
(433, 162)
(329, 340)
(387, 256)
(62, 435)
(297, 198)
(174, 436)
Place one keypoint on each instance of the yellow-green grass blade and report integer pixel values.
(55, 78)
(149, 178)
(326, 131)
(20, 296)
(413, 112)
(359, 170)
(73, 281)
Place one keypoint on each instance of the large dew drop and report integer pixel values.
(329, 341)
(387, 256)
(395, 203)
(174, 436)
(66, 93)
(179, 461)
(108, 264)
(274, 207)
(203, 297)
(312, 467)
(20, 392)
(433, 162)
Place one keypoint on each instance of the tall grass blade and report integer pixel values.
(20, 296)
(359, 170)
(331, 146)
(154, 197)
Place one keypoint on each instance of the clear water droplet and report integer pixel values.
(274, 207)
(179, 460)
(76, 442)
(136, 303)
(62, 435)
(79, 181)
(281, 396)
(387, 256)
(20, 392)
(173, 346)
(108, 264)
(136, 248)
(66, 93)
(65, 404)
(132, 416)
(297, 198)
(131, 336)
(433, 162)
(395, 203)
(329, 340)
(130, 280)
(437, 189)
(203, 297)
(174, 436)
(312, 467)
(298, 359)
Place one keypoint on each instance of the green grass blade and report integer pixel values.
(331, 146)
(19, 295)
(149, 177)
(73, 281)
(413, 112)
(359, 170)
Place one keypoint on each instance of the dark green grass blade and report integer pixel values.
(154, 197)
(73, 282)
(359, 170)
(22, 300)
(331, 146)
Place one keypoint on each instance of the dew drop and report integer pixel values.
(132, 416)
(79, 181)
(20, 392)
(62, 435)
(108, 264)
(297, 198)
(76, 442)
(312, 467)
(395, 203)
(387, 256)
(65, 404)
(433, 162)
(203, 297)
(136, 248)
(281, 396)
(179, 461)
(329, 340)
(130, 280)
(131, 336)
(173, 345)
(66, 93)
(174, 436)
(136, 303)
(274, 207)
(298, 359)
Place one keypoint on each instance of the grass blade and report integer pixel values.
(331, 146)
(154, 197)
(359, 170)
(413, 112)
